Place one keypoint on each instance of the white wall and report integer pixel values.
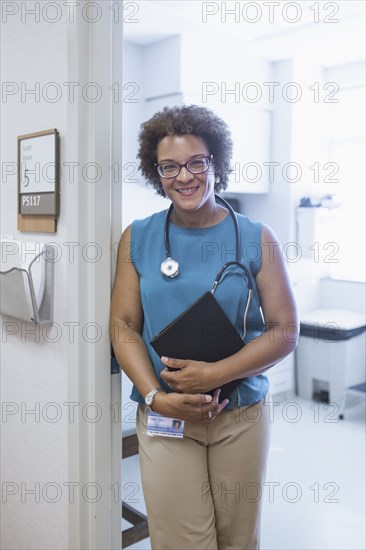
(34, 449)
(338, 294)
(68, 369)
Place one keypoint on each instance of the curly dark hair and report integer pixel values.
(182, 120)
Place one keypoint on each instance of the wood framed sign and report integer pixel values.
(38, 181)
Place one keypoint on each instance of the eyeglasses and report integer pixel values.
(194, 166)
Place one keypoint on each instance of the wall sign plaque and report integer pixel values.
(38, 181)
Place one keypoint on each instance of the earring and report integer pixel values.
(217, 179)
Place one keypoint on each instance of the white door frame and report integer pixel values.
(95, 435)
(115, 234)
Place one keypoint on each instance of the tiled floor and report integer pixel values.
(314, 498)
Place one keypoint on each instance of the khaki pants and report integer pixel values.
(204, 492)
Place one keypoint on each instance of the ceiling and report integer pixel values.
(331, 42)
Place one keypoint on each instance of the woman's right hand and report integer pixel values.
(187, 406)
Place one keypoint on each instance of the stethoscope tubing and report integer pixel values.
(170, 267)
(168, 251)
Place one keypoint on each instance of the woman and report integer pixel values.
(202, 491)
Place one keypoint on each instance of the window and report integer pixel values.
(346, 147)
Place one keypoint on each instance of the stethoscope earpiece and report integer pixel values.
(169, 267)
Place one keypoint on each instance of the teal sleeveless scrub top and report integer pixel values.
(201, 252)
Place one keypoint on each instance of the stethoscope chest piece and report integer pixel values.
(169, 267)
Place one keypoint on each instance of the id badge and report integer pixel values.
(164, 426)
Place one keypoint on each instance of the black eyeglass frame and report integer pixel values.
(210, 158)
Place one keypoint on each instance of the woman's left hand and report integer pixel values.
(192, 376)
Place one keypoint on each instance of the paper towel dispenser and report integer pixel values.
(26, 283)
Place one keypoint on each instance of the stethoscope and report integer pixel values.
(170, 267)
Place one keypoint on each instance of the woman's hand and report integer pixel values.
(192, 376)
(195, 408)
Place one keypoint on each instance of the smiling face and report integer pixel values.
(188, 192)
